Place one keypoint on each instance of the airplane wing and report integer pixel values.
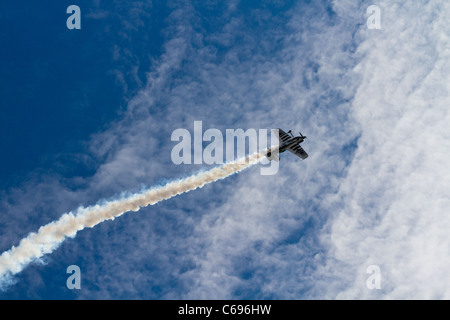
(298, 151)
(282, 136)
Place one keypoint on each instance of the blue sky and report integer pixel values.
(88, 114)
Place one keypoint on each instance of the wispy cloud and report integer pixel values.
(373, 105)
(250, 84)
(396, 192)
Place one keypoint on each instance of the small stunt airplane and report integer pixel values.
(287, 142)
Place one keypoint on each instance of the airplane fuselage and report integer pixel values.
(282, 147)
(289, 143)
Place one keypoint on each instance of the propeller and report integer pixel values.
(302, 136)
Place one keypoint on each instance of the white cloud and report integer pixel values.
(397, 189)
(269, 222)
(313, 229)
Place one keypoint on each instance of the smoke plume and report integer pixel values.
(50, 236)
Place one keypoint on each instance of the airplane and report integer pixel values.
(287, 142)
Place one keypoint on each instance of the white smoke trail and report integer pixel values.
(50, 236)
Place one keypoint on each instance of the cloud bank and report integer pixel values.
(374, 190)
(395, 194)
